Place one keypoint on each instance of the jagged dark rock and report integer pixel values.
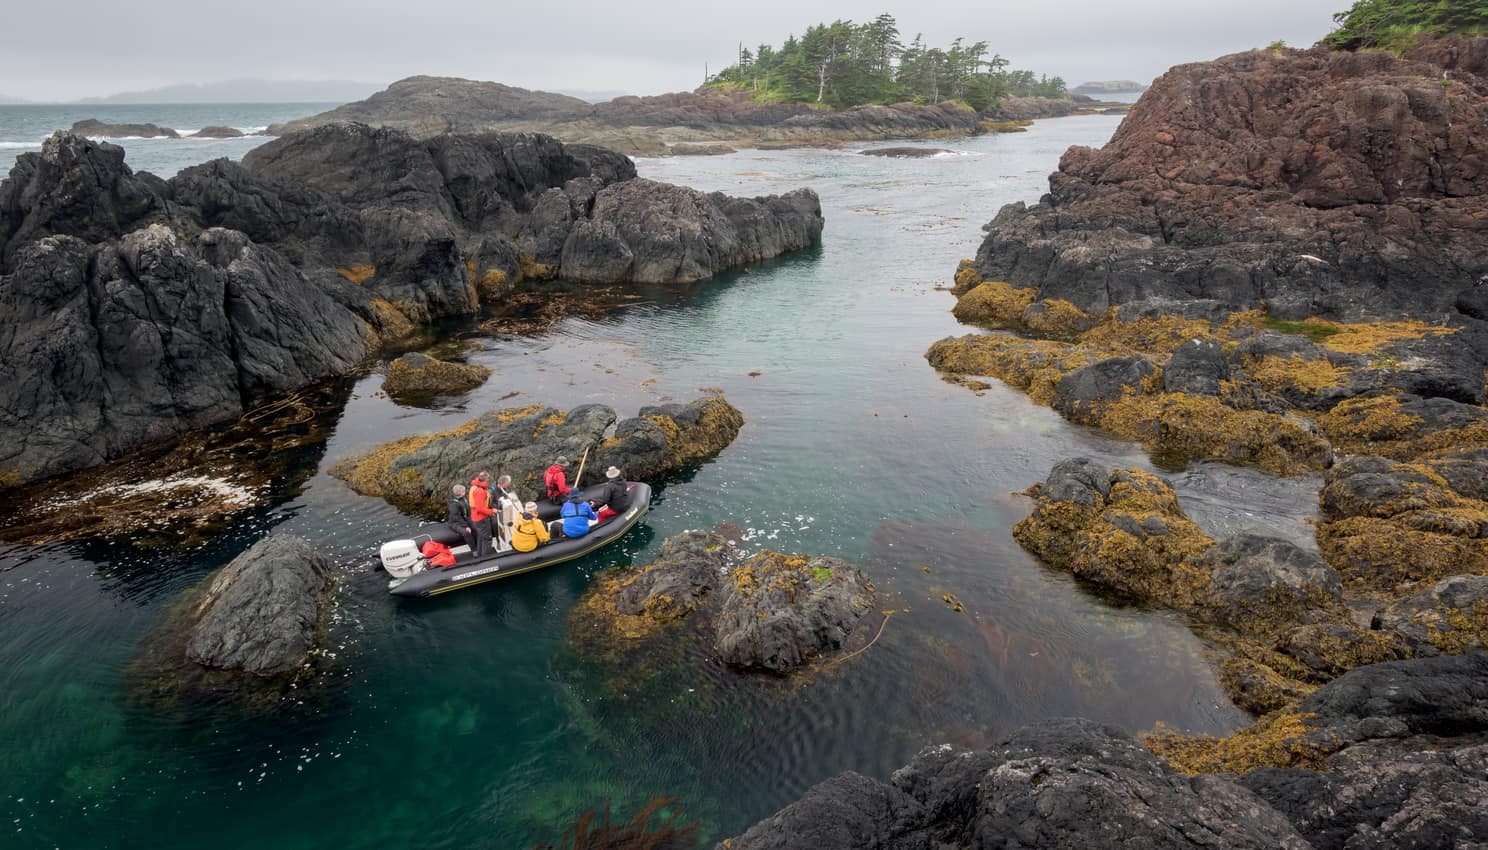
(1198, 367)
(1056, 784)
(245, 636)
(1077, 393)
(1266, 580)
(295, 264)
(1450, 616)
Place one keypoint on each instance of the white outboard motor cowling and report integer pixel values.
(401, 558)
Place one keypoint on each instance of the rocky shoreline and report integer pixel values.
(1246, 274)
(296, 265)
(680, 123)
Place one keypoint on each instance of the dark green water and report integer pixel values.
(467, 722)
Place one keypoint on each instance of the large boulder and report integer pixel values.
(1198, 367)
(1079, 394)
(246, 637)
(261, 613)
(649, 232)
(1445, 696)
(781, 610)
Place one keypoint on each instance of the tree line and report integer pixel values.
(844, 64)
(1399, 24)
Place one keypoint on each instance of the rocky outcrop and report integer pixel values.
(248, 633)
(143, 308)
(94, 128)
(260, 613)
(1340, 185)
(768, 612)
(1450, 617)
(415, 376)
(416, 472)
(1055, 784)
(782, 610)
(217, 132)
(904, 152)
(652, 126)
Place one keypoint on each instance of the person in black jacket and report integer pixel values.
(616, 498)
(459, 515)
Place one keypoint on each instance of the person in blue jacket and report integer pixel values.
(577, 514)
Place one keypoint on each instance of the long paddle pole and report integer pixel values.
(579, 478)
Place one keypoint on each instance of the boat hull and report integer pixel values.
(439, 580)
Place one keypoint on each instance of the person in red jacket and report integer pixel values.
(556, 480)
(481, 513)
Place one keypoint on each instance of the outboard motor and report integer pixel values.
(401, 558)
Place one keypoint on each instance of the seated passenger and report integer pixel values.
(616, 494)
(529, 532)
(576, 514)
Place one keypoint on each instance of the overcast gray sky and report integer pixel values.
(52, 51)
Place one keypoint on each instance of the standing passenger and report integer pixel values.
(508, 505)
(481, 512)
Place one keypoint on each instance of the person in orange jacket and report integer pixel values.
(481, 513)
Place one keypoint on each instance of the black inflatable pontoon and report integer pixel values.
(469, 571)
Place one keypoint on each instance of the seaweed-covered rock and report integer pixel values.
(417, 375)
(1388, 522)
(770, 612)
(1123, 530)
(669, 436)
(102, 129)
(1055, 784)
(1197, 367)
(781, 610)
(1259, 582)
(416, 472)
(633, 602)
(1449, 617)
(1078, 394)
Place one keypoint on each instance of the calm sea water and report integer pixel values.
(24, 128)
(469, 721)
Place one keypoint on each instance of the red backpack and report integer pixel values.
(553, 480)
(439, 555)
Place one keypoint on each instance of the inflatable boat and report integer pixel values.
(413, 576)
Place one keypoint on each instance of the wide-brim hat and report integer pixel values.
(562, 460)
(612, 472)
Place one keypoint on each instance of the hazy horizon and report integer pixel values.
(112, 49)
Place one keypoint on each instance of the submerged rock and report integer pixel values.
(904, 153)
(769, 612)
(416, 472)
(416, 375)
(1055, 784)
(245, 634)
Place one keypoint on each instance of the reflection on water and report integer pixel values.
(465, 721)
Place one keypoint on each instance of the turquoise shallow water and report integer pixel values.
(468, 721)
